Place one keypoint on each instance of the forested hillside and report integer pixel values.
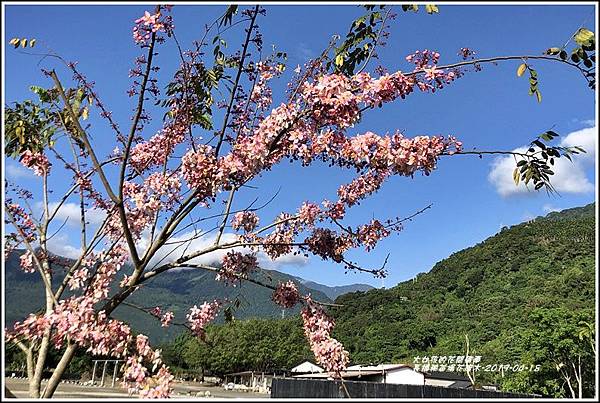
(523, 296)
(176, 291)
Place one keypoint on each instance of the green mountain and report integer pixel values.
(176, 291)
(523, 296)
(335, 291)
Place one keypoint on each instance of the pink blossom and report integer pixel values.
(166, 319)
(146, 25)
(159, 147)
(236, 265)
(37, 162)
(308, 213)
(317, 327)
(78, 278)
(248, 220)
(27, 262)
(200, 317)
(370, 234)
(199, 170)
(286, 294)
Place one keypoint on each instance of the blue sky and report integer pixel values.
(488, 110)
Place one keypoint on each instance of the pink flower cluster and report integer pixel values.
(111, 262)
(308, 213)
(22, 220)
(286, 294)
(328, 352)
(26, 262)
(163, 186)
(251, 154)
(327, 244)
(248, 109)
(77, 319)
(467, 54)
(138, 379)
(386, 88)
(277, 243)
(235, 266)
(165, 318)
(200, 317)
(248, 220)
(78, 278)
(159, 147)
(159, 386)
(360, 187)
(261, 94)
(424, 58)
(369, 234)
(199, 169)
(145, 26)
(332, 100)
(37, 162)
(143, 201)
(32, 328)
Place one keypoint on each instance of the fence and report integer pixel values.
(317, 388)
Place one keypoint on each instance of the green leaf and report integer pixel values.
(584, 36)
(528, 176)
(575, 58)
(431, 8)
(228, 16)
(538, 94)
(516, 176)
(553, 51)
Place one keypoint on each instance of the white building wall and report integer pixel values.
(406, 376)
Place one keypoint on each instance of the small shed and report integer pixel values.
(307, 367)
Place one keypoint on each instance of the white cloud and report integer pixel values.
(548, 208)
(569, 177)
(585, 138)
(13, 172)
(187, 243)
(59, 245)
(70, 213)
(286, 260)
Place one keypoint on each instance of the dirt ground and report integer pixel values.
(182, 390)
